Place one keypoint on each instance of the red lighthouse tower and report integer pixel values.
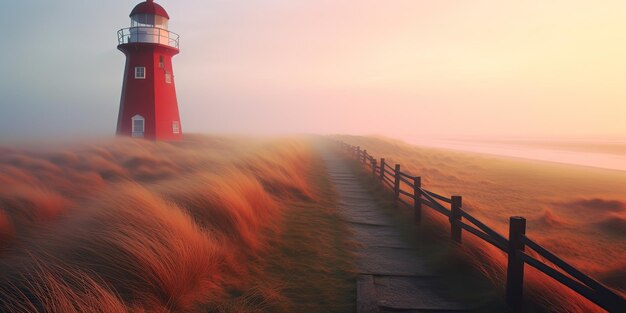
(148, 106)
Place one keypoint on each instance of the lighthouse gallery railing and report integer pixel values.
(147, 34)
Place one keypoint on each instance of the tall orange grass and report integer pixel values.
(578, 213)
(136, 226)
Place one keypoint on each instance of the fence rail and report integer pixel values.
(514, 246)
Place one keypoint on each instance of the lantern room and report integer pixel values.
(148, 20)
(148, 24)
(149, 14)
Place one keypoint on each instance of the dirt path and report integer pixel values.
(391, 275)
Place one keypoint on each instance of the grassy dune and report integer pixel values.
(579, 213)
(203, 225)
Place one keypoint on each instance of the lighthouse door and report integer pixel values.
(138, 126)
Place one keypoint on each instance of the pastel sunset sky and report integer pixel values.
(401, 68)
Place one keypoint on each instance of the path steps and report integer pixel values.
(391, 275)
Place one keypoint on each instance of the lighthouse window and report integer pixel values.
(138, 126)
(140, 72)
(175, 127)
(142, 20)
(161, 62)
(168, 78)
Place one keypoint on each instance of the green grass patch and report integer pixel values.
(308, 269)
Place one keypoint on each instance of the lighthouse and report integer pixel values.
(148, 105)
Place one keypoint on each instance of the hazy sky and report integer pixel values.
(402, 68)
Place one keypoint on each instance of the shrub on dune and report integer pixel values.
(32, 162)
(53, 289)
(64, 158)
(146, 248)
(281, 168)
(106, 168)
(6, 229)
(492, 263)
(10, 175)
(142, 226)
(28, 204)
(232, 205)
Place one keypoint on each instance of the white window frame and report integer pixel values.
(140, 70)
(175, 127)
(168, 78)
(138, 133)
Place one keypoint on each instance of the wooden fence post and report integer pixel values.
(417, 200)
(358, 152)
(373, 168)
(382, 169)
(515, 267)
(364, 156)
(396, 184)
(455, 215)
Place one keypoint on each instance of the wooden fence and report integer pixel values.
(514, 246)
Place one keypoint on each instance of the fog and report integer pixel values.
(404, 68)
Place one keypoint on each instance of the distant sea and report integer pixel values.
(601, 154)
